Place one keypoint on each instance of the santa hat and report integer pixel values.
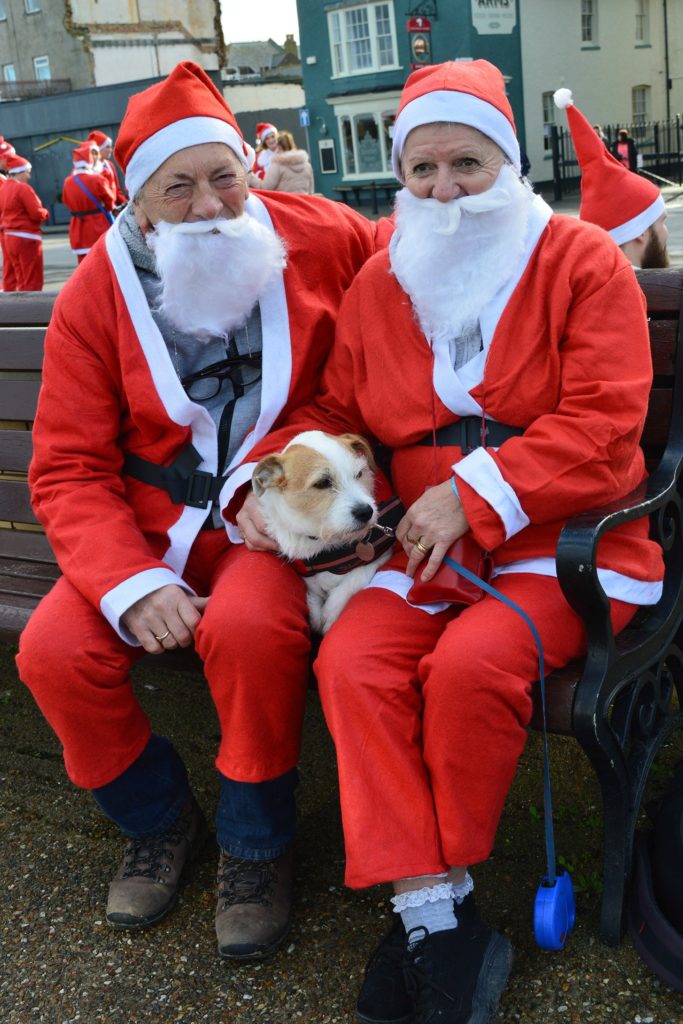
(467, 92)
(623, 203)
(15, 164)
(6, 148)
(99, 138)
(264, 130)
(81, 156)
(186, 109)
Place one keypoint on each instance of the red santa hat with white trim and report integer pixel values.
(186, 109)
(82, 156)
(6, 148)
(466, 92)
(15, 164)
(625, 204)
(99, 138)
(263, 130)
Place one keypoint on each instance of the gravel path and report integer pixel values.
(61, 964)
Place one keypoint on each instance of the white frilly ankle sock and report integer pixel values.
(430, 907)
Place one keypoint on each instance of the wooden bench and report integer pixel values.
(387, 189)
(621, 703)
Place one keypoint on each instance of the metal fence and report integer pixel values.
(659, 145)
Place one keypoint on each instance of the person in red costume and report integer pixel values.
(486, 308)
(105, 167)
(90, 199)
(198, 322)
(21, 215)
(266, 140)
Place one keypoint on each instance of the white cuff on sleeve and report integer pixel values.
(242, 475)
(117, 601)
(480, 471)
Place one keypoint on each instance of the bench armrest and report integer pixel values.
(578, 543)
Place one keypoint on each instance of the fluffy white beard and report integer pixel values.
(452, 258)
(213, 272)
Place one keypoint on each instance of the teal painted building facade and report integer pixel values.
(356, 56)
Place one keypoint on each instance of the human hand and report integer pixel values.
(251, 526)
(430, 526)
(165, 619)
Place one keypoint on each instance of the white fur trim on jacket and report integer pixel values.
(121, 598)
(479, 470)
(615, 584)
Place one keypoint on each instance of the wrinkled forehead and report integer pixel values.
(200, 159)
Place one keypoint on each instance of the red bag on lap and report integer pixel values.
(448, 585)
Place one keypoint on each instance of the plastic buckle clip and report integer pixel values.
(199, 487)
(473, 434)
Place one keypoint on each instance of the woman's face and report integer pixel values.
(270, 141)
(446, 161)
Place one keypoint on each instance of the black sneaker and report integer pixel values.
(456, 976)
(383, 997)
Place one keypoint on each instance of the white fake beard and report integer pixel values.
(213, 272)
(452, 258)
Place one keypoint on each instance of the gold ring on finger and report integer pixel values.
(419, 546)
(163, 635)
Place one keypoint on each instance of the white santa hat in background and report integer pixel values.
(623, 203)
(465, 92)
(186, 109)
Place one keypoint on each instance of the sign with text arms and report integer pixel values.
(494, 17)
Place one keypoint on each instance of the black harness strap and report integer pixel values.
(181, 479)
(84, 213)
(466, 433)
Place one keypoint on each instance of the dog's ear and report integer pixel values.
(270, 472)
(359, 446)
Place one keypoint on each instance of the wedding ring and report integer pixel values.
(419, 546)
(163, 635)
(410, 540)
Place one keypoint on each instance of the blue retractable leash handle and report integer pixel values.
(554, 907)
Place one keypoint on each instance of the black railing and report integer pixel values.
(30, 90)
(659, 144)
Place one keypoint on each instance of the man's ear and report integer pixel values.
(270, 472)
(141, 218)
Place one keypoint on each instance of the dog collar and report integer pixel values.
(378, 539)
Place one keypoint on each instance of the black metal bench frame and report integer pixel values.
(622, 702)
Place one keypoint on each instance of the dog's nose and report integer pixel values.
(362, 513)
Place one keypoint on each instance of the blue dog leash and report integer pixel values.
(554, 906)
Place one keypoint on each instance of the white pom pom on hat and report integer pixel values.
(563, 98)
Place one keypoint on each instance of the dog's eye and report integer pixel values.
(359, 474)
(323, 483)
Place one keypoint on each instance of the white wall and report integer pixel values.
(600, 78)
(268, 96)
(197, 15)
(117, 63)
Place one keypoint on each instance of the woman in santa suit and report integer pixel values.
(22, 215)
(484, 309)
(266, 141)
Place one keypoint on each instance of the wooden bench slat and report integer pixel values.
(15, 502)
(24, 544)
(16, 448)
(18, 398)
(19, 586)
(21, 348)
(26, 308)
(663, 288)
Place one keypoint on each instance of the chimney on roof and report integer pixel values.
(290, 47)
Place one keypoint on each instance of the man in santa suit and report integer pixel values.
(106, 167)
(486, 309)
(21, 216)
(89, 197)
(197, 323)
(266, 137)
(627, 205)
(8, 278)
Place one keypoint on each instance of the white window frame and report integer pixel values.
(640, 104)
(642, 21)
(589, 21)
(32, 6)
(370, 105)
(340, 39)
(7, 75)
(40, 63)
(549, 109)
(3, 10)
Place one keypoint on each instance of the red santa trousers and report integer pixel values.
(25, 256)
(253, 639)
(429, 714)
(9, 279)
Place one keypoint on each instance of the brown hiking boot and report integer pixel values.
(145, 887)
(254, 901)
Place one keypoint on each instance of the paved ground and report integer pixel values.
(60, 964)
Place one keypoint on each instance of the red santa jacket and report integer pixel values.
(566, 356)
(110, 388)
(108, 172)
(21, 211)
(89, 223)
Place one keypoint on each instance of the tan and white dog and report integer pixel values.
(317, 496)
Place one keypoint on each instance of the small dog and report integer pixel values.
(317, 496)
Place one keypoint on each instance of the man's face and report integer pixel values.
(654, 254)
(447, 161)
(202, 182)
(105, 152)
